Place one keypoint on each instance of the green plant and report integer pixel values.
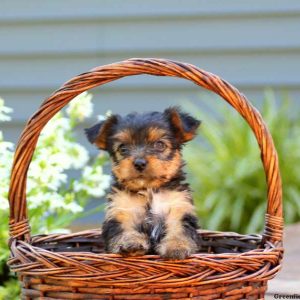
(53, 199)
(226, 172)
(10, 290)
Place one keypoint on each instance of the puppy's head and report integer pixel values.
(145, 148)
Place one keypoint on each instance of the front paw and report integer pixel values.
(176, 248)
(130, 244)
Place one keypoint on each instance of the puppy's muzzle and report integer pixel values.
(140, 164)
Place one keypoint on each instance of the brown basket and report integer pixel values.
(74, 266)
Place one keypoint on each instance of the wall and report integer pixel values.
(252, 44)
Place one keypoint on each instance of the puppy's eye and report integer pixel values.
(123, 149)
(160, 146)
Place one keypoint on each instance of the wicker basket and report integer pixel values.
(74, 266)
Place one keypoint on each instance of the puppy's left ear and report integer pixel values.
(184, 125)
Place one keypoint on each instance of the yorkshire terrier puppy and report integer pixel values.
(150, 207)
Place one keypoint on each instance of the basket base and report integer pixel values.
(35, 288)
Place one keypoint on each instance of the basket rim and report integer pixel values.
(201, 268)
(57, 237)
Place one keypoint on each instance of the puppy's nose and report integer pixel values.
(140, 164)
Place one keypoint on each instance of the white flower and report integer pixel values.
(31, 184)
(87, 172)
(80, 156)
(3, 203)
(46, 174)
(5, 146)
(4, 111)
(6, 157)
(52, 201)
(93, 181)
(73, 207)
(104, 117)
(56, 126)
(37, 200)
(48, 188)
(6, 153)
(81, 107)
(4, 172)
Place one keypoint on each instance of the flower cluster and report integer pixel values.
(6, 156)
(54, 199)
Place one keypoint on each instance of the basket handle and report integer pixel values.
(19, 226)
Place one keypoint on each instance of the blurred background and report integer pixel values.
(255, 45)
(44, 43)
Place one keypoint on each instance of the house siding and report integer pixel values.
(252, 44)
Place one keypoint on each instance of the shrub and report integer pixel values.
(226, 172)
(53, 199)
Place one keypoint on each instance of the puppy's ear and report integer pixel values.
(183, 125)
(99, 133)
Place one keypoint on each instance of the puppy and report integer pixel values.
(150, 207)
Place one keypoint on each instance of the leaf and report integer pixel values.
(226, 162)
(219, 214)
(237, 212)
(257, 219)
(211, 200)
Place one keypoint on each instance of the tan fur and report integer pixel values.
(172, 203)
(129, 209)
(139, 166)
(155, 134)
(101, 140)
(124, 170)
(172, 206)
(165, 169)
(181, 134)
(123, 136)
(131, 243)
(155, 175)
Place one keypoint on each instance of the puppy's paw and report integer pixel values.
(131, 244)
(133, 249)
(176, 248)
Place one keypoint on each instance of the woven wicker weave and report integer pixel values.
(74, 266)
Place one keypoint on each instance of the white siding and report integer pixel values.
(252, 44)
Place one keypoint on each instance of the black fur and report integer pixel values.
(177, 182)
(158, 232)
(139, 123)
(155, 228)
(110, 230)
(178, 128)
(99, 134)
(190, 225)
(92, 132)
(189, 124)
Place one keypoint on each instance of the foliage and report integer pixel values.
(53, 199)
(226, 171)
(10, 290)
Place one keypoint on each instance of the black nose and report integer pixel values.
(140, 164)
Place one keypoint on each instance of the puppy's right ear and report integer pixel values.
(99, 133)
